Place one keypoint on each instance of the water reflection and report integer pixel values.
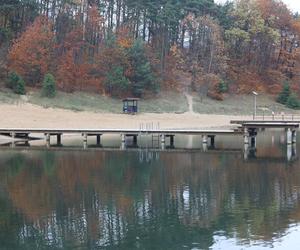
(147, 199)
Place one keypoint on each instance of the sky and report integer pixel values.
(294, 5)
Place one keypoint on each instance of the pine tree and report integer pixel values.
(293, 102)
(284, 94)
(116, 82)
(16, 83)
(142, 78)
(49, 89)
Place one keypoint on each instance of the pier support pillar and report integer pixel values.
(163, 138)
(204, 139)
(85, 137)
(123, 141)
(294, 136)
(85, 140)
(163, 141)
(289, 136)
(48, 138)
(123, 138)
(13, 135)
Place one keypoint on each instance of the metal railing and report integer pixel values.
(277, 117)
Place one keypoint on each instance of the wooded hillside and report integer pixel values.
(137, 47)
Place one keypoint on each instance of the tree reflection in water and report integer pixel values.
(90, 199)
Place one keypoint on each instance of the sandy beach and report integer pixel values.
(31, 116)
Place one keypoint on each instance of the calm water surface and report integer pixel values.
(110, 199)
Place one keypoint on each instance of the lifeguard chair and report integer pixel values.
(130, 105)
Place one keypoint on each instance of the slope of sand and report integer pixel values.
(30, 116)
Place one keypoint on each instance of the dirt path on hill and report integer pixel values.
(190, 102)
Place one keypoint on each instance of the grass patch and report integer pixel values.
(164, 103)
(239, 105)
(6, 96)
(78, 102)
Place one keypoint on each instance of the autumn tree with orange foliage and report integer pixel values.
(77, 66)
(254, 44)
(30, 56)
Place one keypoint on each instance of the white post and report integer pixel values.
(163, 138)
(204, 139)
(85, 137)
(254, 106)
(123, 138)
(163, 141)
(254, 111)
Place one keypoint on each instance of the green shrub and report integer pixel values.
(16, 83)
(284, 94)
(222, 87)
(293, 102)
(49, 89)
(13, 77)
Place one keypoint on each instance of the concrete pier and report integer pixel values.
(48, 137)
(163, 138)
(13, 135)
(123, 138)
(85, 137)
(246, 136)
(204, 139)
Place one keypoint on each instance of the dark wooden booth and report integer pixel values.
(130, 105)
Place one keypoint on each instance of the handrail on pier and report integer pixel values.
(277, 117)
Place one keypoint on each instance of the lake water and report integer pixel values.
(70, 198)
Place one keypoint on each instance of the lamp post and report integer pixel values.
(255, 95)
